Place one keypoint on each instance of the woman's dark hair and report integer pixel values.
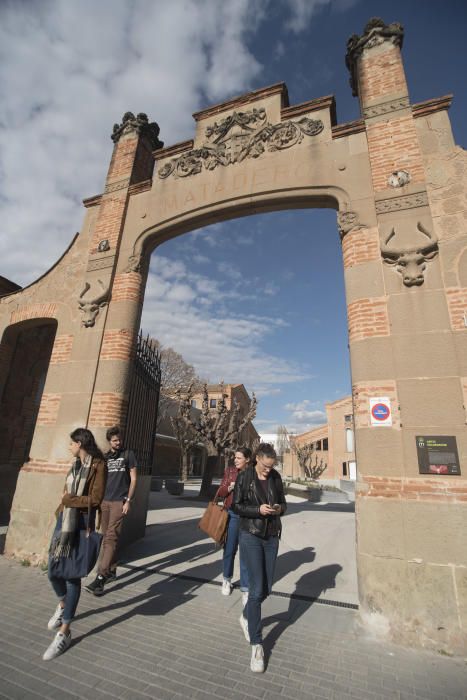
(112, 432)
(87, 442)
(266, 450)
(245, 451)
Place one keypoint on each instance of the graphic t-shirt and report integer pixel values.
(118, 474)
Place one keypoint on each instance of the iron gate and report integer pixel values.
(143, 403)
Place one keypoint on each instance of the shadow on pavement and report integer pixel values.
(308, 588)
(161, 597)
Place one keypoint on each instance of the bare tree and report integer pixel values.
(219, 429)
(176, 377)
(282, 442)
(308, 460)
(184, 430)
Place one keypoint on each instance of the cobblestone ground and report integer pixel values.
(160, 636)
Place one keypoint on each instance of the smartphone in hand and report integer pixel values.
(276, 507)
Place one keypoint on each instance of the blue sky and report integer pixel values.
(258, 300)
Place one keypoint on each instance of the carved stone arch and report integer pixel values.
(324, 197)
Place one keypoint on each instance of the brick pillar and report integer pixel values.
(402, 323)
(132, 163)
(86, 381)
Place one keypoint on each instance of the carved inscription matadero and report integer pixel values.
(241, 135)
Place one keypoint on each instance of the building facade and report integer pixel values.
(334, 445)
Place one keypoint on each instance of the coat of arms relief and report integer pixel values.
(240, 135)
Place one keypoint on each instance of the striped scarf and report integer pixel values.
(75, 482)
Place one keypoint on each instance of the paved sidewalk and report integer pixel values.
(162, 633)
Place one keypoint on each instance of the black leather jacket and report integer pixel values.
(248, 497)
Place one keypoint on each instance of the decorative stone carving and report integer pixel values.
(375, 33)
(411, 261)
(256, 117)
(103, 246)
(134, 263)
(399, 178)
(103, 263)
(409, 201)
(346, 221)
(114, 186)
(140, 125)
(234, 139)
(386, 107)
(90, 307)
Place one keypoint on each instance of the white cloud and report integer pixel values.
(301, 13)
(68, 71)
(182, 311)
(303, 416)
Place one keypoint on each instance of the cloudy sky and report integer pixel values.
(258, 300)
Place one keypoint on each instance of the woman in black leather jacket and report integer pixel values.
(259, 501)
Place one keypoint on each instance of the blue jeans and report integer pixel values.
(230, 550)
(260, 557)
(68, 590)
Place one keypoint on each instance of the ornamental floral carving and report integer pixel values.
(139, 125)
(346, 221)
(241, 135)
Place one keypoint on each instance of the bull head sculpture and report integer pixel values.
(90, 307)
(411, 262)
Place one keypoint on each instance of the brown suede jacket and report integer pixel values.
(94, 488)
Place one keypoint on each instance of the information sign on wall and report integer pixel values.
(380, 411)
(437, 454)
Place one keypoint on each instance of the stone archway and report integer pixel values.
(390, 176)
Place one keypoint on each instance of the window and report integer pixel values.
(348, 440)
(212, 403)
(325, 444)
(344, 468)
(193, 403)
(348, 418)
(318, 445)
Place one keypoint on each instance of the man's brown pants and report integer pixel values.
(111, 526)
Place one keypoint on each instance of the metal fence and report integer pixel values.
(143, 403)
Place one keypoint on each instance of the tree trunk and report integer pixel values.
(212, 464)
(185, 458)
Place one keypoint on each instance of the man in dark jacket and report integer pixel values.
(259, 501)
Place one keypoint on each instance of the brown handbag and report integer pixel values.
(214, 521)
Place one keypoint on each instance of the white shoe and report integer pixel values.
(244, 598)
(257, 658)
(226, 587)
(56, 620)
(60, 643)
(244, 626)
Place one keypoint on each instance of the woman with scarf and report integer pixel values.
(83, 493)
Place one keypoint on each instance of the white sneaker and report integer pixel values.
(226, 587)
(257, 658)
(244, 598)
(244, 626)
(56, 620)
(60, 643)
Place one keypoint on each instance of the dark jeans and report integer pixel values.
(260, 557)
(68, 590)
(230, 550)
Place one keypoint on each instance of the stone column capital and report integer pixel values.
(375, 33)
